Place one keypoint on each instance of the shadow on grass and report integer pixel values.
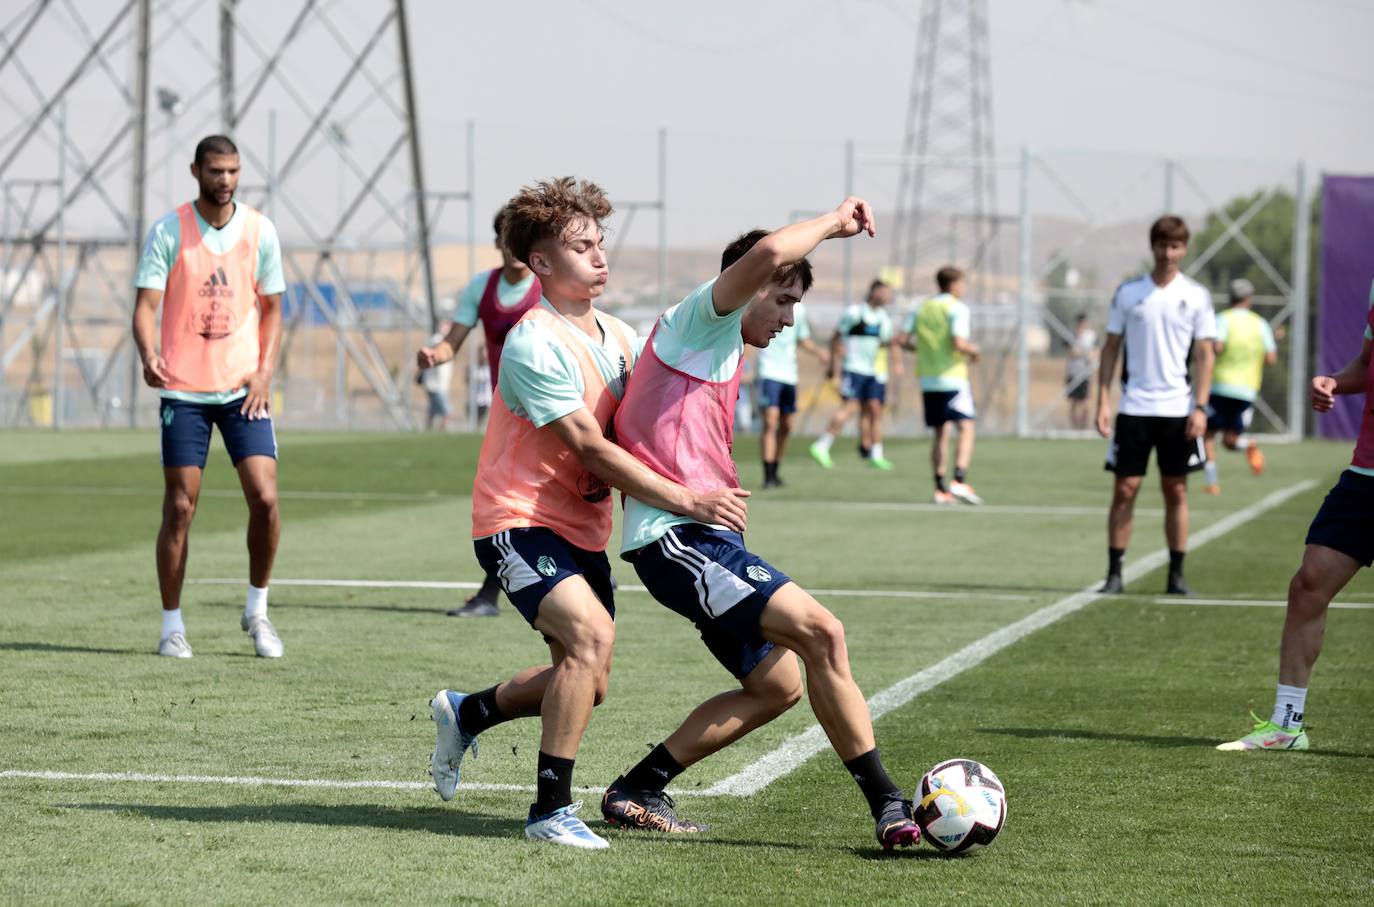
(1027, 733)
(435, 820)
(76, 650)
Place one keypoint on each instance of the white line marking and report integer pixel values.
(438, 584)
(1255, 603)
(989, 509)
(331, 784)
(797, 749)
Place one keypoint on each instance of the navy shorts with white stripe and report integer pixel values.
(530, 562)
(708, 577)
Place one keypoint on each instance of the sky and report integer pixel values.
(758, 99)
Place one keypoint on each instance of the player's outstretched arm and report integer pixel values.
(145, 337)
(1349, 380)
(615, 466)
(1110, 350)
(444, 350)
(739, 282)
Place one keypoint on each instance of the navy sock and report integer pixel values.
(479, 712)
(554, 784)
(940, 483)
(1114, 556)
(868, 772)
(654, 772)
(960, 474)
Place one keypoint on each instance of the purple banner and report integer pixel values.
(1347, 272)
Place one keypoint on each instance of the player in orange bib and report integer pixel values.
(214, 266)
(541, 501)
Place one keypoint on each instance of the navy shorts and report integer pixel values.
(777, 394)
(948, 406)
(530, 562)
(1343, 522)
(708, 577)
(854, 386)
(186, 432)
(1228, 414)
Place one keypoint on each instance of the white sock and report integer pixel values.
(1289, 703)
(876, 451)
(171, 622)
(256, 605)
(1242, 442)
(824, 441)
(1210, 472)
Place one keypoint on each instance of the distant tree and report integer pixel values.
(1271, 230)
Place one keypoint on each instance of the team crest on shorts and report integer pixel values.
(545, 565)
(758, 574)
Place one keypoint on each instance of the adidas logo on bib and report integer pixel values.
(758, 574)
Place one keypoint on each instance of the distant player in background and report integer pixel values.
(677, 417)
(1245, 345)
(215, 267)
(777, 371)
(1154, 321)
(939, 332)
(1078, 376)
(436, 381)
(864, 348)
(498, 299)
(1339, 542)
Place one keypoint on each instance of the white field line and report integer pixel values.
(797, 749)
(985, 509)
(270, 782)
(437, 584)
(1255, 603)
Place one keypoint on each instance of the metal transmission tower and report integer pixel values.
(347, 182)
(946, 208)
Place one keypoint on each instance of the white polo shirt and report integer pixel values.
(1158, 326)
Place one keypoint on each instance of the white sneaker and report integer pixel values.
(563, 827)
(174, 645)
(265, 639)
(964, 492)
(451, 743)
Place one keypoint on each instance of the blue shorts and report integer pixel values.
(530, 562)
(1228, 414)
(439, 406)
(186, 432)
(948, 406)
(1342, 523)
(854, 386)
(708, 577)
(777, 394)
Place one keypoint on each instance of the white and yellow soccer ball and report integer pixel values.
(960, 805)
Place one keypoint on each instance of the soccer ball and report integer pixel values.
(960, 806)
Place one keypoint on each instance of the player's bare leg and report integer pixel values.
(181, 492)
(1323, 574)
(258, 477)
(873, 443)
(1120, 519)
(1175, 490)
(573, 617)
(768, 691)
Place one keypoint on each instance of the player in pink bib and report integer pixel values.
(1339, 542)
(678, 419)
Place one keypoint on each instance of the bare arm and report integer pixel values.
(615, 466)
(1270, 358)
(257, 405)
(836, 355)
(738, 283)
(444, 350)
(968, 348)
(1204, 357)
(1349, 380)
(816, 350)
(1110, 350)
(145, 337)
(894, 355)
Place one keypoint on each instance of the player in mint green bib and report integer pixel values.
(1245, 345)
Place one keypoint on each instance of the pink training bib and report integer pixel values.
(210, 309)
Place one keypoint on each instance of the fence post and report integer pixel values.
(1023, 304)
(1298, 349)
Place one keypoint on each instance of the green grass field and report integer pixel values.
(1102, 725)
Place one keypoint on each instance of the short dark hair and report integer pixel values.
(546, 209)
(800, 270)
(500, 218)
(1169, 228)
(215, 144)
(877, 282)
(946, 276)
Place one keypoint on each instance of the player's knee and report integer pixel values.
(591, 644)
(824, 639)
(603, 687)
(1305, 590)
(262, 501)
(1175, 492)
(178, 509)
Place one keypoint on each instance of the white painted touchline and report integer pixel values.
(797, 749)
(439, 584)
(1254, 603)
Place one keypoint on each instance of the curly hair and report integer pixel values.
(547, 209)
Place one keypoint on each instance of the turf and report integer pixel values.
(1101, 725)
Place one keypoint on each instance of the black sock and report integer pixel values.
(865, 452)
(1176, 562)
(655, 771)
(940, 483)
(491, 588)
(868, 772)
(479, 712)
(960, 474)
(1114, 556)
(554, 784)
(770, 470)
